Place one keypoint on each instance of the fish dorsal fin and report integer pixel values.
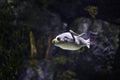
(72, 32)
(79, 35)
(72, 37)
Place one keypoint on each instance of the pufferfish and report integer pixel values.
(71, 41)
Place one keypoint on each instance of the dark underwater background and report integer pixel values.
(28, 26)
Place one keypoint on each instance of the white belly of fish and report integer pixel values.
(68, 46)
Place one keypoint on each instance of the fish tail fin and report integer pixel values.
(88, 43)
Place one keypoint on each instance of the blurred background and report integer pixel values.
(28, 26)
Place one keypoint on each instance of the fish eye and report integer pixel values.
(58, 39)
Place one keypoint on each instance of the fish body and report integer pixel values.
(71, 41)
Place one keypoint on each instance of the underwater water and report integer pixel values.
(27, 28)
